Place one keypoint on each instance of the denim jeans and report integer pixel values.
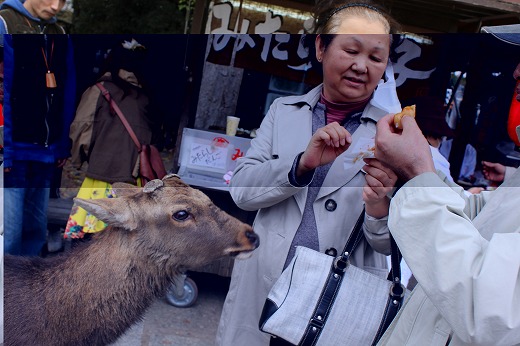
(26, 197)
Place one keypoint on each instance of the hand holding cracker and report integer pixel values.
(407, 111)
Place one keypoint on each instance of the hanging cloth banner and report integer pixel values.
(277, 54)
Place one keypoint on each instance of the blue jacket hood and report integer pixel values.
(17, 5)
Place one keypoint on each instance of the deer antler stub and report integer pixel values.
(153, 185)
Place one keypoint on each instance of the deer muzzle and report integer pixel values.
(247, 242)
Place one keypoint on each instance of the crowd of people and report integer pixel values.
(459, 246)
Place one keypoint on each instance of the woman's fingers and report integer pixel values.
(373, 182)
(377, 170)
(334, 135)
(325, 146)
(374, 189)
(369, 194)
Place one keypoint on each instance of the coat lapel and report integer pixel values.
(293, 128)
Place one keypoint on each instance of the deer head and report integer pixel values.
(173, 222)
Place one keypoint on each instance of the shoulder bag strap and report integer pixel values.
(397, 290)
(396, 294)
(353, 241)
(120, 114)
(355, 237)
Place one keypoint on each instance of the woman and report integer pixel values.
(99, 137)
(300, 175)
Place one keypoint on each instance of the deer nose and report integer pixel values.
(253, 238)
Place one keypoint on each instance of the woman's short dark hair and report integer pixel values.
(131, 60)
(329, 13)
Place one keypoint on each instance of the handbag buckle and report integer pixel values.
(397, 289)
(317, 322)
(341, 263)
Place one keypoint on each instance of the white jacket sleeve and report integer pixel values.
(509, 172)
(474, 283)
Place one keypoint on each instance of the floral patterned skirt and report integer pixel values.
(80, 221)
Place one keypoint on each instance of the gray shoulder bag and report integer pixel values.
(324, 300)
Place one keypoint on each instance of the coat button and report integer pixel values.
(331, 205)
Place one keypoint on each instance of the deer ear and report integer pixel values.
(125, 189)
(113, 211)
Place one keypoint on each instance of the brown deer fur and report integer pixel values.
(92, 294)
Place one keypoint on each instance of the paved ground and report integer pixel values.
(166, 325)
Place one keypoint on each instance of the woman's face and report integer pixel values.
(354, 61)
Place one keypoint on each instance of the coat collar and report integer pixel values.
(125, 75)
(308, 101)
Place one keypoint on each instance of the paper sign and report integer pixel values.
(207, 155)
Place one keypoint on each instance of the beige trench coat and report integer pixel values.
(465, 256)
(260, 182)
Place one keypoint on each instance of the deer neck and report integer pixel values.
(106, 277)
(114, 256)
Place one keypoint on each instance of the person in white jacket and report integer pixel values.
(464, 252)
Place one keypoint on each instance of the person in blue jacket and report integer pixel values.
(39, 105)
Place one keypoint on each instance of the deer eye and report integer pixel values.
(181, 215)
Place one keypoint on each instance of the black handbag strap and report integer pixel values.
(395, 261)
(333, 284)
(355, 236)
(354, 240)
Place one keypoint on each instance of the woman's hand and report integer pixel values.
(324, 147)
(380, 180)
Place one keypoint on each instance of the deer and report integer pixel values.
(92, 294)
